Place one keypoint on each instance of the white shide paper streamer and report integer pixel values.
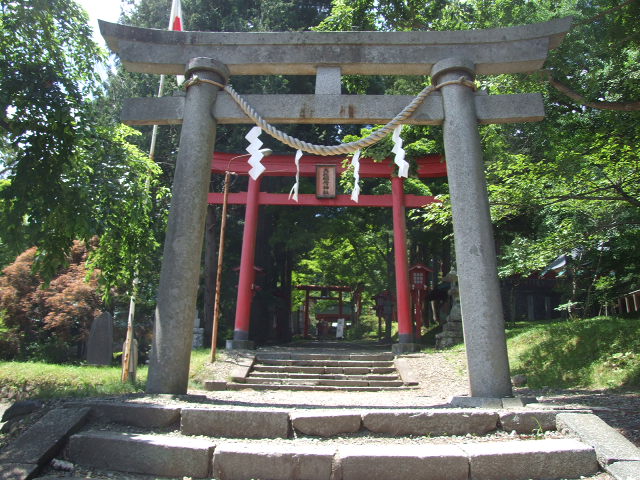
(256, 155)
(403, 165)
(294, 190)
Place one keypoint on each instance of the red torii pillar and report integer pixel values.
(246, 282)
(403, 301)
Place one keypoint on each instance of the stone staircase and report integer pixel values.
(205, 440)
(329, 370)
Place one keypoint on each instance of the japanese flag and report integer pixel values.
(175, 23)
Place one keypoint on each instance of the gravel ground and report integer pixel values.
(441, 375)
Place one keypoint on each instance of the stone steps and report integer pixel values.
(178, 456)
(259, 374)
(326, 363)
(241, 442)
(310, 388)
(323, 381)
(327, 370)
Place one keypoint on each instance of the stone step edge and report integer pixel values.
(326, 363)
(385, 357)
(324, 370)
(319, 381)
(323, 376)
(152, 416)
(305, 388)
(282, 423)
(155, 454)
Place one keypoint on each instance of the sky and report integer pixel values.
(100, 9)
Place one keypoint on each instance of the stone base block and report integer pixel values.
(400, 348)
(275, 462)
(475, 402)
(625, 470)
(240, 345)
(430, 422)
(162, 455)
(138, 415)
(609, 444)
(373, 462)
(232, 423)
(528, 422)
(530, 459)
(215, 385)
(40, 443)
(326, 423)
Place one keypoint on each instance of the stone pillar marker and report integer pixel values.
(480, 300)
(176, 306)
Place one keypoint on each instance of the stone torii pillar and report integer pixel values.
(178, 289)
(482, 316)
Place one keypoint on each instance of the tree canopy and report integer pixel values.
(67, 169)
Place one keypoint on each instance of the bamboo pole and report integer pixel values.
(216, 307)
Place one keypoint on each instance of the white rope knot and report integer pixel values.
(196, 80)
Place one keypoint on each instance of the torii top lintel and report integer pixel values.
(494, 51)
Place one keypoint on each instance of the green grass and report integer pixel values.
(44, 380)
(600, 352)
(37, 379)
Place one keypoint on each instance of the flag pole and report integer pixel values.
(175, 23)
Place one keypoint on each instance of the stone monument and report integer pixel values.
(452, 329)
(100, 341)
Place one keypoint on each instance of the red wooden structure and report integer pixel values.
(284, 166)
(324, 295)
(418, 278)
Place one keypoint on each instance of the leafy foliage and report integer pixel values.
(52, 319)
(68, 169)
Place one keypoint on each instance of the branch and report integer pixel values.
(4, 124)
(604, 13)
(616, 106)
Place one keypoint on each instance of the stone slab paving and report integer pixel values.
(430, 422)
(528, 421)
(624, 470)
(38, 444)
(610, 445)
(135, 414)
(554, 458)
(276, 462)
(177, 456)
(164, 455)
(326, 423)
(235, 423)
(382, 462)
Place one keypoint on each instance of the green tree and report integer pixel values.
(568, 183)
(69, 172)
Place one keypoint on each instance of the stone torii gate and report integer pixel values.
(447, 57)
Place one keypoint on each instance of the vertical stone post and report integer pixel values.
(403, 300)
(176, 305)
(482, 316)
(247, 270)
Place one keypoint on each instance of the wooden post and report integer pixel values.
(216, 307)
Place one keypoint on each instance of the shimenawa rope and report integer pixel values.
(343, 148)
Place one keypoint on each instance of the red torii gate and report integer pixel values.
(283, 166)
